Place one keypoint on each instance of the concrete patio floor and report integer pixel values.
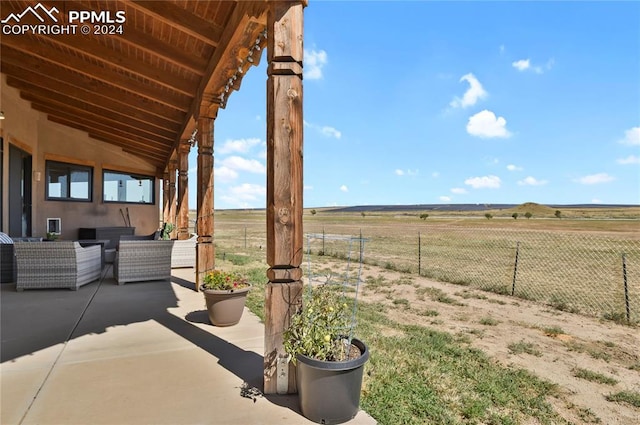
(141, 353)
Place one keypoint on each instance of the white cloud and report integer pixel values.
(325, 130)
(330, 132)
(631, 137)
(224, 174)
(246, 195)
(485, 124)
(512, 167)
(472, 95)
(243, 164)
(445, 199)
(314, 61)
(522, 64)
(344, 188)
(631, 159)
(490, 182)
(525, 64)
(238, 145)
(459, 190)
(532, 181)
(595, 179)
(407, 172)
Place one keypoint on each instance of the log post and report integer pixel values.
(284, 187)
(205, 250)
(183, 190)
(165, 196)
(173, 197)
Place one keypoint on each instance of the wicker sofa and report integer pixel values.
(7, 259)
(64, 264)
(140, 260)
(184, 253)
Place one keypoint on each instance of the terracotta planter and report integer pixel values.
(225, 308)
(329, 392)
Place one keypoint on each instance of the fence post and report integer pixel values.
(361, 247)
(515, 269)
(419, 255)
(626, 287)
(323, 251)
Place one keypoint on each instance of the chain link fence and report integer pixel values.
(588, 273)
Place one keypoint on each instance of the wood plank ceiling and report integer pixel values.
(139, 90)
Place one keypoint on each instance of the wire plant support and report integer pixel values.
(347, 277)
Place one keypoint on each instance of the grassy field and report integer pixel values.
(572, 263)
(444, 379)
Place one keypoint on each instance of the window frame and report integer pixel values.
(70, 166)
(130, 176)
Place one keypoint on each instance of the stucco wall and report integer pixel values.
(30, 130)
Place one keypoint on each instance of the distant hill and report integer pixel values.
(532, 207)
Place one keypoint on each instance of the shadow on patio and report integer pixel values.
(139, 353)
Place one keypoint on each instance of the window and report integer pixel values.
(68, 182)
(127, 187)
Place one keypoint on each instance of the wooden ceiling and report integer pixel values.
(139, 90)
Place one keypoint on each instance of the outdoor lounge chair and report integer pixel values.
(139, 260)
(64, 264)
(7, 259)
(184, 253)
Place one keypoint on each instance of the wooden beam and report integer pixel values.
(205, 251)
(133, 121)
(140, 150)
(142, 40)
(183, 190)
(173, 195)
(39, 56)
(235, 35)
(284, 188)
(175, 16)
(92, 93)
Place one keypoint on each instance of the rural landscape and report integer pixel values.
(522, 314)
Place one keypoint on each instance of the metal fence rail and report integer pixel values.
(592, 274)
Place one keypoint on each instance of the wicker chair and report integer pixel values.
(139, 260)
(7, 259)
(64, 264)
(184, 253)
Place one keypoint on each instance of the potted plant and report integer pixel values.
(329, 361)
(225, 294)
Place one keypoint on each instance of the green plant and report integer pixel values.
(52, 236)
(165, 233)
(321, 328)
(629, 397)
(224, 281)
(593, 376)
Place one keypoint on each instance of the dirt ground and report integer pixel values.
(556, 344)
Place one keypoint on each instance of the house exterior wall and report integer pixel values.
(32, 132)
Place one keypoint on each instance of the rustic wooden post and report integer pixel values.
(165, 196)
(205, 250)
(284, 187)
(173, 197)
(183, 189)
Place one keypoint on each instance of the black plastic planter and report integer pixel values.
(329, 392)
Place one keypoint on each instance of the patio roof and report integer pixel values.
(142, 85)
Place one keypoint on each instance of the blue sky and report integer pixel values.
(451, 102)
